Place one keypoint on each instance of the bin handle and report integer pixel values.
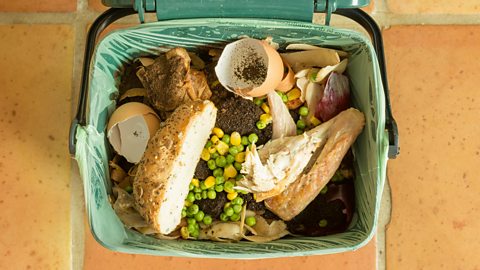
(363, 19)
(114, 14)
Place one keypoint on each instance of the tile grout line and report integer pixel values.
(77, 205)
(381, 14)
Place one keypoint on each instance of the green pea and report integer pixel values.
(195, 234)
(284, 98)
(211, 194)
(237, 208)
(191, 221)
(303, 111)
(198, 196)
(221, 161)
(250, 221)
(225, 206)
(228, 211)
(199, 216)
(204, 194)
(245, 141)
(129, 189)
(238, 201)
(253, 138)
(301, 124)
(218, 172)
(214, 155)
(194, 208)
(226, 139)
(191, 197)
(299, 131)
(219, 188)
(324, 190)
(191, 186)
(233, 150)
(191, 228)
(202, 185)
(323, 223)
(235, 217)
(230, 159)
(207, 220)
(261, 125)
(228, 186)
(243, 192)
(258, 101)
(240, 148)
(238, 166)
(197, 190)
(211, 164)
(219, 180)
(223, 217)
(208, 144)
(184, 213)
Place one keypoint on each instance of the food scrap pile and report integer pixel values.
(240, 143)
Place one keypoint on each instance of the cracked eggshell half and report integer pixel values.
(129, 129)
(249, 68)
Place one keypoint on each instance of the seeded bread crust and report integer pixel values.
(166, 150)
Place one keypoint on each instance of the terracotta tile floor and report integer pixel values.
(434, 6)
(97, 257)
(434, 78)
(36, 77)
(38, 6)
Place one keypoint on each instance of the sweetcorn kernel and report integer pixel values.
(235, 138)
(222, 148)
(294, 94)
(217, 131)
(205, 154)
(232, 195)
(210, 182)
(195, 182)
(265, 108)
(214, 139)
(240, 157)
(315, 121)
(266, 118)
(230, 171)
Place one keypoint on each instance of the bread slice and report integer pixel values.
(168, 165)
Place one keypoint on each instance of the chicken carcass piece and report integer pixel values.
(168, 164)
(343, 131)
(170, 82)
(279, 162)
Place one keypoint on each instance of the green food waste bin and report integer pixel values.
(213, 23)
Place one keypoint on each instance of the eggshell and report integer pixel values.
(307, 47)
(134, 92)
(129, 129)
(246, 56)
(313, 58)
(324, 72)
(288, 79)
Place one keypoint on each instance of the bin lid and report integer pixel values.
(301, 10)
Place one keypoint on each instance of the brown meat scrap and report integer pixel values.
(171, 82)
(298, 195)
